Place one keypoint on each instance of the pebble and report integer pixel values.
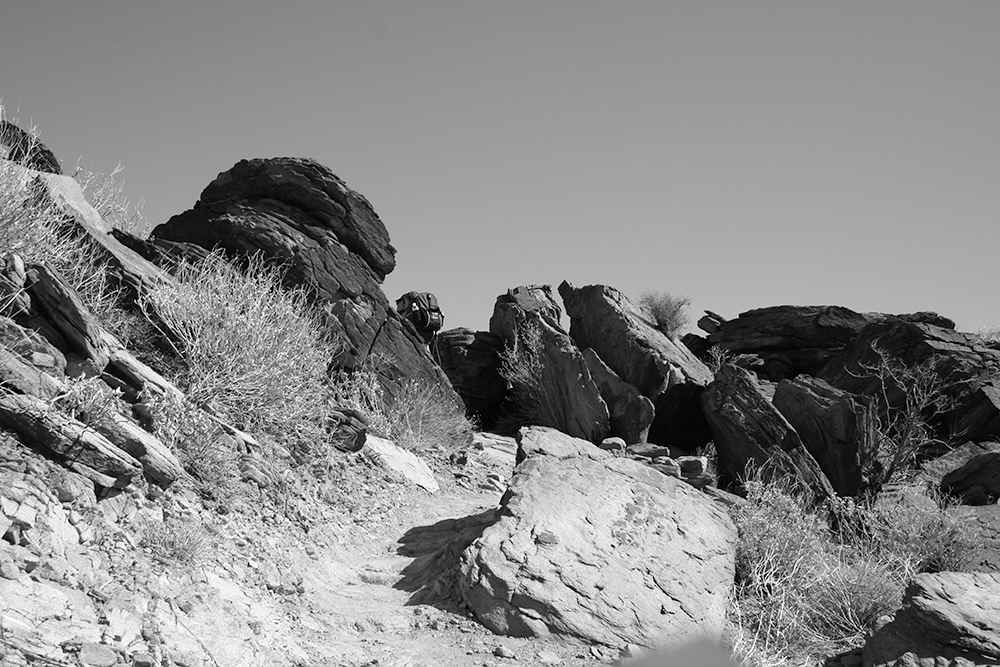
(97, 655)
(504, 652)
(548, 658)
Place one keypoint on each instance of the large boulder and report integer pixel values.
(948, 618)
(836, 427)
(749, 431)
(664, 371)
(601, 548)
(470, 360)
(297, 213)
(557, 389)
(968, 372)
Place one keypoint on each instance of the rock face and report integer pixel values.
(299, 214)
(601, 548)
(947, 618)
(748, 429)
(24, 148)
(631, 413)
(663, 371)
(568, 399)
(970, 370)
(977, 482)
(469, 359)
(837, 428)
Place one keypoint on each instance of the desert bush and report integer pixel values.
(176, 542)
(667, 312)
(106, 193)
(424, 417)
(252, 350)
(812, 580)
(522, 366)
(89, 400)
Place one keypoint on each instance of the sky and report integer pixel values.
(743, 154)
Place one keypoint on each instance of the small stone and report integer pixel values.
(9, 571)
(143, 660)
(548, 658)
(97, 655)
(504, 652)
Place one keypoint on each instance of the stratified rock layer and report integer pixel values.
(601, 548)
(327, 237)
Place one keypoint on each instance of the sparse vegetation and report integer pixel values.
(176, 542)
(806, 588)
(522, 366)
(667, 312)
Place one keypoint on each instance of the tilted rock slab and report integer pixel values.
(836, 427)
(663, 371)
(572, 398)
(748, 429)
(631, 413)
(601, 548)
(297, 213)
(948, 618)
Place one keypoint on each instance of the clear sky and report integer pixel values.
(743, 154)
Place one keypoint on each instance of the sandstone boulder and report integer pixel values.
(749, 430)
(969, 371)
(950, 618)
(470, 360)
(327, 237)
(836, 427)
(601, 548)
(557, 387)
(666, 372)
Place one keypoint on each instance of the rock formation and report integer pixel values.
(950, 618)
(600, 548)
(470, 360)
(563, 394)
(749, 430)
(663, 371)
(327, 237)
(26, 149)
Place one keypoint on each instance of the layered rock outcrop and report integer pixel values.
(470, 360)
(601, 548)
(667, 373)
(298, 214)
(557, 388)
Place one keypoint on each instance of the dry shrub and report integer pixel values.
(253, 352)
(522, 366)
(667, 312)
(804, 589)
(178, 542)
(424, 417)
(89, 400)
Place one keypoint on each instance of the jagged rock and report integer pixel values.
(77, 445)
(469, 359)
(836, 427)
(971, 371)
(977, 482)
(663, 371)
(26, 149)
(748, 429)
(948, 618)
(631, 413)
(24, 378)
(572, 400)
(32, 348)
(599, 547)
(327, 237)
(801, 338)
(395, 458)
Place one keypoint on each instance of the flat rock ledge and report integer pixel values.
(600, 548)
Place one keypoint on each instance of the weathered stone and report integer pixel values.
(977, 482)
(567, 396)
(630, 412)
(749, 430)
(159, 464)
(328, 239)
(26, 149)
(663, 371)
(836, 427)
(80, 447)
(395, 458)
(32, 348)
(599, 547)
(471, 362)
(14, 300)
(934, 470)
(24, 378)
(969, 371)
(948, 616)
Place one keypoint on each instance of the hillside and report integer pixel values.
(222, 445)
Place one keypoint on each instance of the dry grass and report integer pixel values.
(804, 590)
(253, 352)
(176, 542)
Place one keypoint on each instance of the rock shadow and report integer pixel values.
(433, 576)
